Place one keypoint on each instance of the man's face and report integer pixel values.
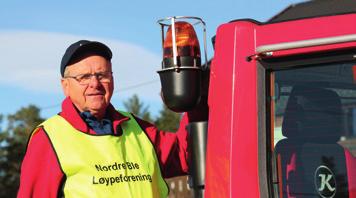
(94, 96)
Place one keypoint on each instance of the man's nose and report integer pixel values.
(94, 81)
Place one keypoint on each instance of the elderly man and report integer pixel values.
(91, 150)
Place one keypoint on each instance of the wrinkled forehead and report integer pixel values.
(90, 62)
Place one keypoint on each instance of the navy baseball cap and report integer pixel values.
(79, 48)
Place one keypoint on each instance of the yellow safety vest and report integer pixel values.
(106, 165)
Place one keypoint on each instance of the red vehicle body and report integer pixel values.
(254, 66)
(235, 160)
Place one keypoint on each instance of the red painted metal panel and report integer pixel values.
(306, 29)
(244, 170)
(219, 137)
(232, 166)
(232, 149)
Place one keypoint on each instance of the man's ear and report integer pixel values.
(65, 86)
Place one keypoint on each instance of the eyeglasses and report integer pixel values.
(84, 79)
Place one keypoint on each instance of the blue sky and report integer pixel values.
(35, 34)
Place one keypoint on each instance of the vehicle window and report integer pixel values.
(314, 130)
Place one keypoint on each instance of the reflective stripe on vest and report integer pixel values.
(106, 165)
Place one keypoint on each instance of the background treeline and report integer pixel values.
(15, 130)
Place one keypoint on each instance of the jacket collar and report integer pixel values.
(71, 114)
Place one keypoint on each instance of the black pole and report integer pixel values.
(197, 145)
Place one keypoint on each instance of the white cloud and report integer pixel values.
(31, 60)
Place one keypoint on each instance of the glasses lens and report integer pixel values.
(84, 79)
(104, 77)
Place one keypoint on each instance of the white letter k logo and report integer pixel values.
(325, 182)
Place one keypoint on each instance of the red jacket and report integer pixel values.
(41, 175)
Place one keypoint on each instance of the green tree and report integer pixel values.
(168, 120)
(135, 106)
(13, 141)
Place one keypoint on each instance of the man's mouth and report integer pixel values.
(95, 94)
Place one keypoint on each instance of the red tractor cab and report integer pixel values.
(282, 105)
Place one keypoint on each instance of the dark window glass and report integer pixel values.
(314, 130)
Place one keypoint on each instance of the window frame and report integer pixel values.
(265, 68)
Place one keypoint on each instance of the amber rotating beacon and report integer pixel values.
(181, 65)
